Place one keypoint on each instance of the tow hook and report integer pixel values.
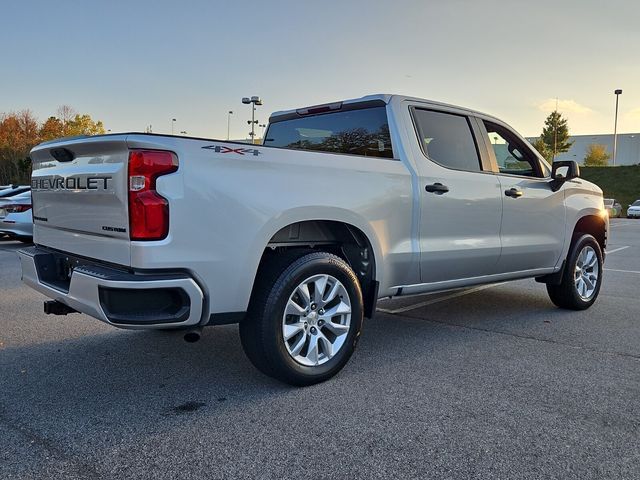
(54, 307)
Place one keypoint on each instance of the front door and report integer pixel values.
(533, 215)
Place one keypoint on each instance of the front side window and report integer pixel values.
(447, 139)
(513, 157)
(355, 132)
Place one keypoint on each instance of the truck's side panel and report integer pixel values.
(225, 207)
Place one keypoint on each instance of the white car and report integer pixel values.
(634, 210)
(16, 218)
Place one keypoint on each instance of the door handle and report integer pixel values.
(437, 188)
(513, 192)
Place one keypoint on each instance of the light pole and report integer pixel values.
(617, 92)
(173, 122)
(555, 131)
(229, 122)
(263, 126)
(253, 101)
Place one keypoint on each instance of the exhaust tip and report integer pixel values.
(192, 336)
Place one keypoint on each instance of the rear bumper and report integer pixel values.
(15, 228)
(120, 298)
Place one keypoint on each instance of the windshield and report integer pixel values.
(608, 202)
(636, 203)
(355, 132)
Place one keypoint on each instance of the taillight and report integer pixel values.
(17, 208)
(148, 211)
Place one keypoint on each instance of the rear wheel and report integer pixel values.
(582, 277)
(305, 317)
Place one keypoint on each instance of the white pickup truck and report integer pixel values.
(297, 238)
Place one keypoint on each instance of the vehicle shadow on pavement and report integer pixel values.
(156, 372)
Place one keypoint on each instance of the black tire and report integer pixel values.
(565, 295)
(261, 332)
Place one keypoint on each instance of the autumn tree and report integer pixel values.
(555, 134)
(21, 131)
(68, 123)
(596, 156)
(51, 128)
(83, 125)
(18, 134)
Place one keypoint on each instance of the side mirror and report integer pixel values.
(562, 171)
(565, 170)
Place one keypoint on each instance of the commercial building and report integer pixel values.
(628, 148)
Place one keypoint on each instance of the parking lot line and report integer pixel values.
(438, 300)
(616, 250)
(622, 271)
(615, 225)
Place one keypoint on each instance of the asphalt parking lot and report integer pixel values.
(492, 383)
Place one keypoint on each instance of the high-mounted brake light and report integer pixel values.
(148, 210)
(328, 107)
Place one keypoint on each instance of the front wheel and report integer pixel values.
(305, 317)
(582, 276)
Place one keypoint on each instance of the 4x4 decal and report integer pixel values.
(238, 151)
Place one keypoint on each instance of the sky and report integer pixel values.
(137, 63)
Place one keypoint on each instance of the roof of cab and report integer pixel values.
(384, 97)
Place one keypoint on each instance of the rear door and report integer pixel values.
(533, 215)
(79, 195)
(461, 201)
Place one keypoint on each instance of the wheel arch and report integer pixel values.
(589, 223)
(593, 225)
(353, 241)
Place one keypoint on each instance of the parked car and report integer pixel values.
(296, 239)
(15, 217)
(634, 210)
(614, 209)
(12, 190)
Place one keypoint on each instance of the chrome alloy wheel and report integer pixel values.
(316, 320)
(586, 273)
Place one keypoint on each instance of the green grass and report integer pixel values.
(621, 183)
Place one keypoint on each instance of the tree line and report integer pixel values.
(21, 131)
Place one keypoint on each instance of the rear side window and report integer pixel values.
(355, 132)
(447, 139)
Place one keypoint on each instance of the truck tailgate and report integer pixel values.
(79, 195)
